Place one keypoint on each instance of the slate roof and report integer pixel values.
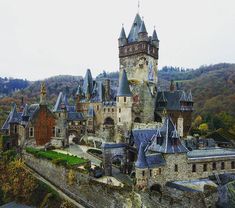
(169, 135)
(91, 112)
(113, 145)
(173, 100)
(154, 36)
(20, 117)
(88, 83)
(142, 28)
(61, 102)
(122, 34)
(211, 153)
(133, 35)
(75, 116)
(123, 88)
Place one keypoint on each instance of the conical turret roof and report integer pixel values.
(123, 88)
(133, 35)
(122, 34)
(142, 28)
(88, 82)
(154, 36)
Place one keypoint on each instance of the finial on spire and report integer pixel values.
(138, 6)
(154, 27)
(43, 93)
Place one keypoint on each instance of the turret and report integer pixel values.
(124, 102)
(88, 85)
(155, 40)
(122, 40)
(142, 34)
(43, 94)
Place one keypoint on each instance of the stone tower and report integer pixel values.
(138, 55)
(124, 103)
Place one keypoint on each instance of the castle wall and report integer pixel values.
(184, 170)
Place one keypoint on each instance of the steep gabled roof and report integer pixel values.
(123, 88)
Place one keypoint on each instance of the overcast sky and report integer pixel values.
(42, 38)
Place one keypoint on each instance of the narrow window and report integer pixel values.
(194, 168)
(119, 119)
(108, 109)
(204, 167)
(124, 99)
(213, 166)
(160, 171)
(53, 131)
(98, 107)
(143, 173)
(176, 168)
(222, 165)
(31, 131)
(150, 172)
(119, 110)
(59, 115)
(233, 165)
(15, 129)
(104, 110)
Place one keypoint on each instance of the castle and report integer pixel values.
(133, 113)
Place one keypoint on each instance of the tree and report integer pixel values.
(203, 128)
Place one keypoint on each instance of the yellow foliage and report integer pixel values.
(203, 127)
(71, 177)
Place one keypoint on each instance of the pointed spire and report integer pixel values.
(43, 94)
(26, 111)
(183, 96)
(190, 97)
(154, 36)
(123, 33)
(79, 91)
(123, 88)
(13, 114)
(88, 84)
(141, 160)
(162, 98)
(133, 35)
(142, 28)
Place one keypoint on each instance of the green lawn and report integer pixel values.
(57, 158)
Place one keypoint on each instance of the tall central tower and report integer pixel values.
(138, 55)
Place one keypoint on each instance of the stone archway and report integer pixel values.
(74, 136)
(108, 121)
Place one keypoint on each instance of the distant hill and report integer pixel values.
(213, 89)
(10, 85)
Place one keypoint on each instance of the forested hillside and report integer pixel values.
(213, 89)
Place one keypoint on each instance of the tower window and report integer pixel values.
(176, 168)
(213, 166)
(108, 109)
(150, 172)
(53, 131)
(124, 99)
(15, 129)
(31, 131)
(232, 165)
(98, 107)
(143, 173)
(112, 110)
(194, 168)
(104, 110)
(119, 110)
(119, 119)
(160, 171)
(204, 167)
(222, 165)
